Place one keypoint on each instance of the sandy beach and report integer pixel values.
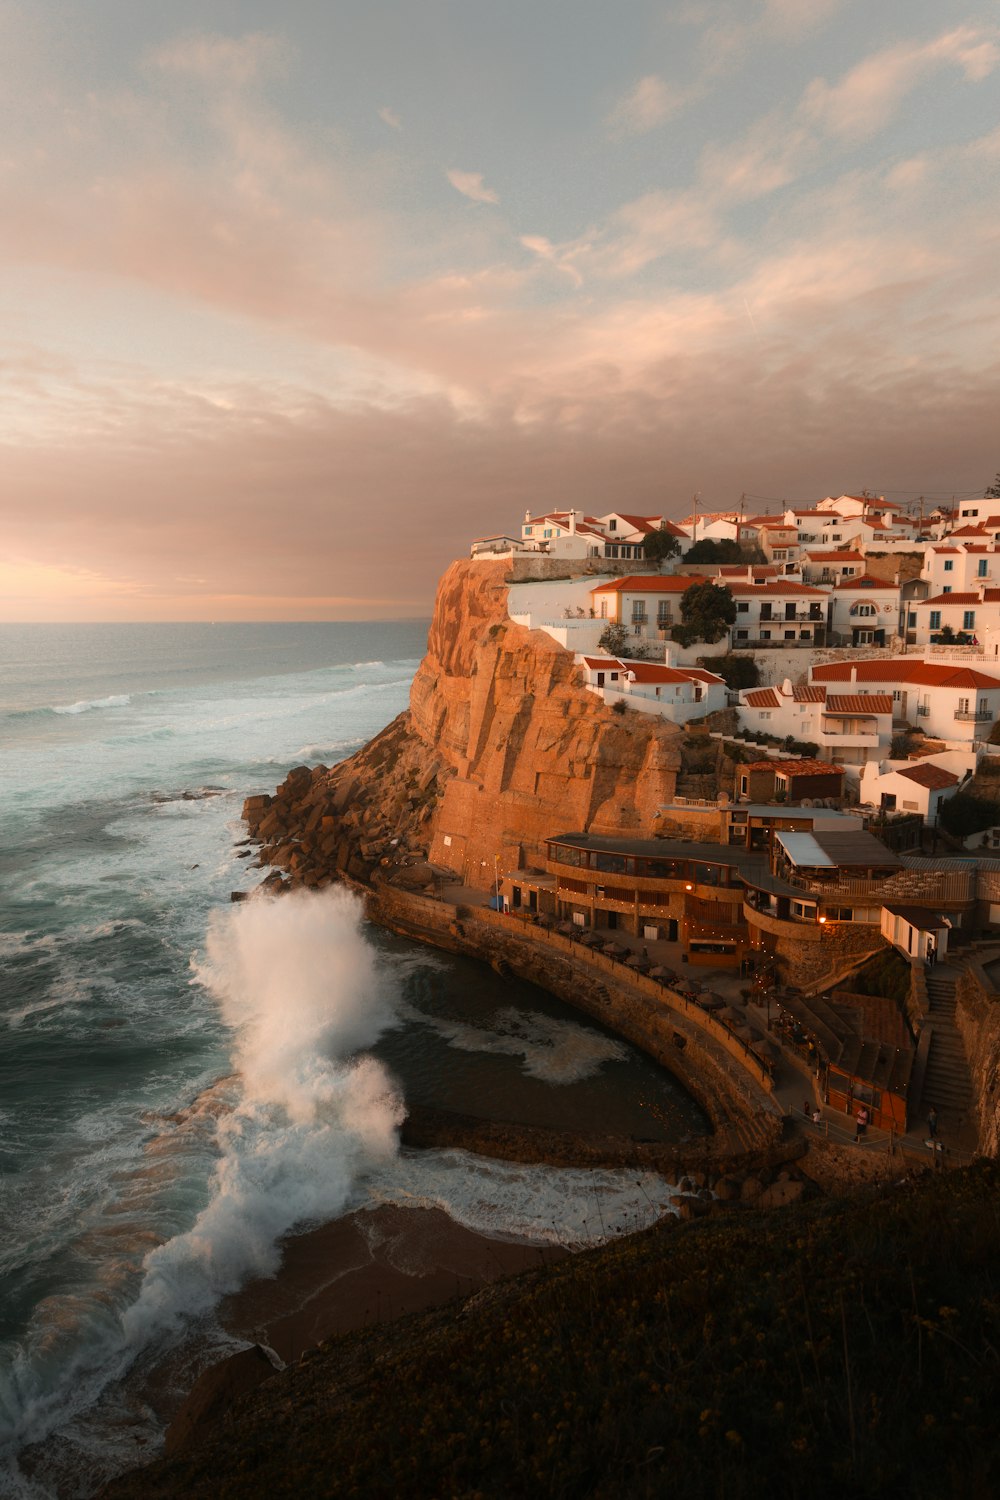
(369, 1267)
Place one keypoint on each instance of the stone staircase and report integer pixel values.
(946, 1083)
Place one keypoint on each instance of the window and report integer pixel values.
(742, 609)
(547, 531)
(789, 635)
(963, 705)
(911, 619)
(949, 566)
(946, 589)
(528, 530)
(742, 635)
(765, 713)
(983, 565)
(935, 619)
(969, 620)
(863, 609)
(848, 573)
(638, 609)
(612, 525)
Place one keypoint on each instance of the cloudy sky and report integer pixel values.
(294, 301)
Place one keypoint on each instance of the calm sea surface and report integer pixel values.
(183, 1081)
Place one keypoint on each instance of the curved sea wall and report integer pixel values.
(501, 748)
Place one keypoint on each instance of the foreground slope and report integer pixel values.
(836, 1348)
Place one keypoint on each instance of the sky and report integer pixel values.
(296, 301)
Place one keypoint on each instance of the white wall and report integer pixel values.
(536, 604)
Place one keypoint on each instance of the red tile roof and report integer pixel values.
(762, 698)
(920, 673)
(844, 557)
(809, 692)
(949, 599)
(647, 672)
(774, 590)
(969, 531)
(651, 583)
(859, 703)
(797, 767)
(602, 663)
(934, 778)
(865, 581)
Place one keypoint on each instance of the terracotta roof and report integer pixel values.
(651, 583)
(969, 531)
(949, 599)
(953, 550)
(738, 570)
(921, 673)
(762, 698)
(859, 703)
(797, 767)
(865, 581)
(647, 672)
(775, 590)
(934, 778)
(845, 557)
(809, 692)
(602, 663)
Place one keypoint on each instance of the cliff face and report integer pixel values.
(502, 747)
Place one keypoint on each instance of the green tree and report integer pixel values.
(613, 638)
(711, 551)
(707, 611)
(735, 671)
(993, 493)
(658, 545)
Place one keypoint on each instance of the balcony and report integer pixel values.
(973, 715)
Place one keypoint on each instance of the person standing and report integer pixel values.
(861, 1122)
(932, 1123)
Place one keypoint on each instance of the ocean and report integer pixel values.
(184, 1081)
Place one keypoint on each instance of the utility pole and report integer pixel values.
(694, 511)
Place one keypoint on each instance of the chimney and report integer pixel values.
(527, 516)
(572, 523)
(854, 674)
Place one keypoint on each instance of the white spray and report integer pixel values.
(297, 982)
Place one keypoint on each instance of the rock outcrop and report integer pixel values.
(502, 747)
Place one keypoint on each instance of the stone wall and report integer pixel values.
(736, 1100)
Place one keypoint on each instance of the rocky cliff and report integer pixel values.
(502, 746)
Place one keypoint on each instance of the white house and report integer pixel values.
(954, 703)
(647, 604)
(831, 567)
(918, 786)
(955, 567)
(970, 614)
(918, 933)
(852, 726)
(863, 611)
(711, 525)
(674, 693)
(778, 613)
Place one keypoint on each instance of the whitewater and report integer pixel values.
(183, 1081)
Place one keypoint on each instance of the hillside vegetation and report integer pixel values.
(837, 1348)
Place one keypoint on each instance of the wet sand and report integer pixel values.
(370, 1267)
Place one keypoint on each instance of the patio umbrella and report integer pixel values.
(543, 921)
(591, 940)
(766, 1048)
(637, 962)
(708, 1001)
(615, 950)
(566, 928)
(667, 975)
(745, 1034)
(731, 1013)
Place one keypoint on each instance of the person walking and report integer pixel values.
(861, 1123)
(932, 1123)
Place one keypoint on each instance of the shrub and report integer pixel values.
(735, 671)
(964, 814)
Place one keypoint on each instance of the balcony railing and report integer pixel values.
(973, 715)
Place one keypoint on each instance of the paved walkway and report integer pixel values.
(794, 1082)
